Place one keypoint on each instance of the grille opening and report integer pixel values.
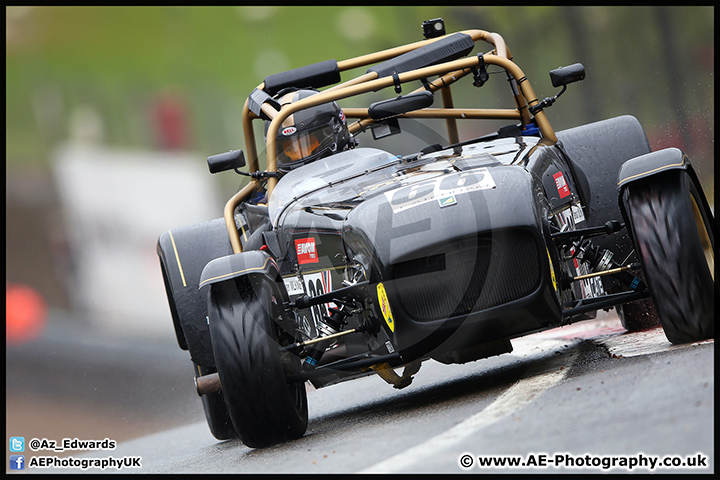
(410, 268)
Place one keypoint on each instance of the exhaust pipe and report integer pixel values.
(207, 384)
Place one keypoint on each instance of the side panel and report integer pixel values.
(183, 253)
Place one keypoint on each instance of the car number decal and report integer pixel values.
(385, 307)
(440, 188)
(318, 284)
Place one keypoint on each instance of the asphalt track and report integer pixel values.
(574, 399)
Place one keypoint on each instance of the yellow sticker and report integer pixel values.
(385, 306)
(552, 270)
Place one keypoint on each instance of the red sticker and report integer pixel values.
(306, 251)
(561, 185)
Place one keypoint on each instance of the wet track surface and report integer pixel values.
(588, 388)
(74, 382)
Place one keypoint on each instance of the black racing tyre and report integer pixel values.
(674, 235)
(216, 412)
(265, 409)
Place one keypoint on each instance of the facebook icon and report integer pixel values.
(17, 462)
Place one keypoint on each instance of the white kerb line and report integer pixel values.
(513, 399)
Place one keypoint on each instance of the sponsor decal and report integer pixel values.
(385, 306)
(561, 185)
(447, 201)
(552, 270)
(306, 251)
(577, 213)
(570, 217)
(589, 287)
(293, 286)
(289, 130)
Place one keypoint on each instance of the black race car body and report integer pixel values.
(450, 245)
(364, 261)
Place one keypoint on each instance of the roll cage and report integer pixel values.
(434, 57)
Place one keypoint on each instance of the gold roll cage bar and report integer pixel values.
(448, 73)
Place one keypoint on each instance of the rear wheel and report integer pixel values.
(265, 409)
(638, 316)
(674, 236)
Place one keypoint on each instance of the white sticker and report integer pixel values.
(578, 214)
(289, 130)
(570, 216)
(293, 286)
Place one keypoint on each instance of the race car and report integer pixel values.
(340, 259)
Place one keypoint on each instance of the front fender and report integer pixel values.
(650, 164)
(658, 163)
(255, 264)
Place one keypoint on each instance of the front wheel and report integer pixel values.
(674, 235)
(265, 409)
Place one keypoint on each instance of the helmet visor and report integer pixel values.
(298, 149)
(299, 146)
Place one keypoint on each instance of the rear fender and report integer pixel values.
(183, 253)
(596, 153)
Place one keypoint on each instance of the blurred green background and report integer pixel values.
(122, 67)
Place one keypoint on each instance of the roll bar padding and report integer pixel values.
(316, 75)
(446, 49)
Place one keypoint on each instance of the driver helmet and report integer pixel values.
(311, 133)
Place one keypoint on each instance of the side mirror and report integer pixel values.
(565, 75)
(226, 161)
(400, 105)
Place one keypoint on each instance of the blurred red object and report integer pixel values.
(25, 314)
(170, 118)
